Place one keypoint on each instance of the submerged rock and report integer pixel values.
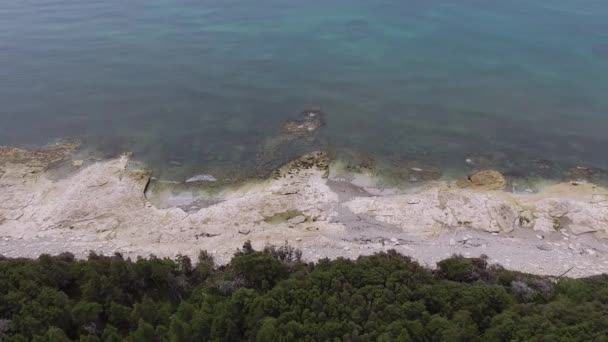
(356, 161)
(295, 138)
(36, 158)
(307, 123)
(484, 180)
(480, 162)
(580, 174)
(421, 172)
(414, 171)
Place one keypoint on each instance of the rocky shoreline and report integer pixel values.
(101, 206)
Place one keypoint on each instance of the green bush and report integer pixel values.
(271, 295)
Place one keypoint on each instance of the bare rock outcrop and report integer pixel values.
(102, 206)
(576, 215)
(564, 207)
(439, 209)
(105, 202)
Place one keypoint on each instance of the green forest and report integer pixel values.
(272, 295)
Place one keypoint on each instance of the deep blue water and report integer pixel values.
(205, 81)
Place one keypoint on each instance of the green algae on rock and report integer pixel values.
(484, 180)
(36, 157)
(317, 159)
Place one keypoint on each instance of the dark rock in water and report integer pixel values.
(583, 174)
(542, 164)
(296, 137)
(307, 123)
(600, 51)
(542, 167)
(356, 160)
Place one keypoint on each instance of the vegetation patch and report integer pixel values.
(271, 295)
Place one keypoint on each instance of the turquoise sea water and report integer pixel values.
(206, 82)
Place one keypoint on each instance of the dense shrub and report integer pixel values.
(271, 295)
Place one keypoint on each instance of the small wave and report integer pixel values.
(201, 178)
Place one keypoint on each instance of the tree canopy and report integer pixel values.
(271, 295)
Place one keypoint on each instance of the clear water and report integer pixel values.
(205, 82)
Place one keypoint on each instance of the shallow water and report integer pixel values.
(204, 84)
